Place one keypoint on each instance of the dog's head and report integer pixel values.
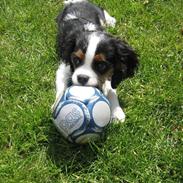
(97, 57)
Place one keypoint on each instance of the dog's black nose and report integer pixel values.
(83, 79)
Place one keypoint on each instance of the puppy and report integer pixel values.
(90, 56)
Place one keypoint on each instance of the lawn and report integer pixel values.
(147, 148)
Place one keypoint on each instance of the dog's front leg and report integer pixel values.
(117, 112)
(62, 79)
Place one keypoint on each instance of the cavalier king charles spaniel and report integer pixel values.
(90, 56)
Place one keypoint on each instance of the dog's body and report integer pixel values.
(89, 55)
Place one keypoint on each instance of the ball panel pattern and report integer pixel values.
(101, 113)
(70, 116)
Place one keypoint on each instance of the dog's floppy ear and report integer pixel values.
(125, 62)
(65, 45)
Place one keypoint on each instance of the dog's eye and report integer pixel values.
(76, 61)
(101, 66)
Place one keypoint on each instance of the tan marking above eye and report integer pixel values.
(79, 54)
(99, 57)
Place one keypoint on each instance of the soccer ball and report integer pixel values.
(81, 114)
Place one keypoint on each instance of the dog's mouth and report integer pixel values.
(89, 85)
(95, 86)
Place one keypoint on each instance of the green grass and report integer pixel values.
(148, 147)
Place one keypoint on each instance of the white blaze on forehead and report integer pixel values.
(86, 68)
(94, 39)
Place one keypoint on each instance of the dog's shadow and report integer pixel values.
(68, 156)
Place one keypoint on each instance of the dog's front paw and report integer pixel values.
(53, 107)
(54, 104)
(118, 114)
(111, 21)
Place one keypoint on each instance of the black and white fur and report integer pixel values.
(90, 56)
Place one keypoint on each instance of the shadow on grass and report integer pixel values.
(70, 157)
(122, 103)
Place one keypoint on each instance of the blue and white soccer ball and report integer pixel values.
(81, 114)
